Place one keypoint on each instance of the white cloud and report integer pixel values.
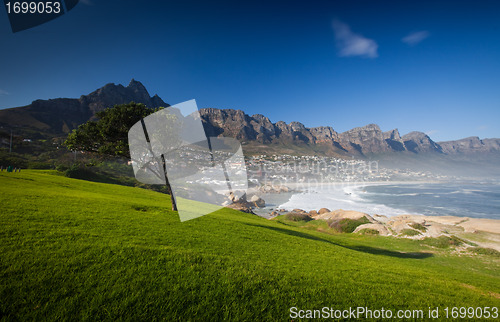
(2, 92)
(352, 44)
(431, 132)
(415, 37)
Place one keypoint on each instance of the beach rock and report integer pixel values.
(313, 213)
(340, 214)
(382, 230)
(258, 202)
(381, 218)
(243, 207)
(299, 211)
(399, 224)
(268, 188)
(323, 210)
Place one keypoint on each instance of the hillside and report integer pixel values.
(57, 117)
(74, 250)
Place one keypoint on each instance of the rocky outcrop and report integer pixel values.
(61, 115)
(470, 145)
(366, 139)
(57, 117)
(394, 140)
(419, 142)
(340, 214)
(111, 94)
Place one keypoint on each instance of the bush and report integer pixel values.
(78, 171)
(442, 241)
(40, 165)
(409, 232)
(294, 216)
(62, 168)
(368, 231)
(418, 227)
(486, 251)
(347, 225)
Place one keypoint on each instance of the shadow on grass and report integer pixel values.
(360, 248)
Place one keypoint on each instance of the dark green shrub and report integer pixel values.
(418, 227)
(40, 165)
(486, 251)
(409, 232)
(442, 241)
(347, 225)
(78, 171)
(294, 216)
(368, 231)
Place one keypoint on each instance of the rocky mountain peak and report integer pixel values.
(418, 142)
(392, 135)
(58, 116)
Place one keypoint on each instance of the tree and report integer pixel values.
(108, 135)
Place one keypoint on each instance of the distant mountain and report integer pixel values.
(470, 145)
(57, 117)
(360, 141)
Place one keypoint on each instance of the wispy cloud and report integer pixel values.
(415, 38)
(352, 44)
(3, 92)
(431, 132)
(482, 127)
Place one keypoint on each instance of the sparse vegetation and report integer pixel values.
(294, 216)
(409, 232)
(442, 241)
(418, 226)
(347, 225)
(368, 231)
(486, 251)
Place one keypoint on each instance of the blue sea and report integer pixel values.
(432, 199)
(463, 200)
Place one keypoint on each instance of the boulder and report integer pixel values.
(243, 207)
(258, 202)
(323, 211)
(340, 214)
(382, 230)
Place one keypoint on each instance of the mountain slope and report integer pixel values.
(57, 117)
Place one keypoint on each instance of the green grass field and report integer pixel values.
(79, 250)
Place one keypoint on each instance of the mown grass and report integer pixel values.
(79, 250)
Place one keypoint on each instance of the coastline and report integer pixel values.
(483, 232)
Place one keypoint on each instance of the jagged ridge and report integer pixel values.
(59, 116)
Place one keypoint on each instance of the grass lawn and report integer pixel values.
(79, 250)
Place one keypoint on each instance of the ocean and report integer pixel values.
(390, 199)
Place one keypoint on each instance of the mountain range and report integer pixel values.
(57, 117)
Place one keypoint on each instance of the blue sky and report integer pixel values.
(432, 66)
